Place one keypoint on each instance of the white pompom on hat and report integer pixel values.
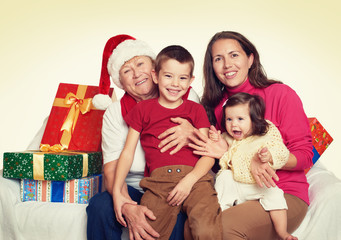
(117, 51)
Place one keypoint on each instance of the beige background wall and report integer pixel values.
(44, 43)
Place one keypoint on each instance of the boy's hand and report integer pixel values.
(181, 191)
(119, 201)
(264, 155)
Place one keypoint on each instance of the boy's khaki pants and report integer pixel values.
(201, 205)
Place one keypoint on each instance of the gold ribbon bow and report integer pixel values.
(76, 105)
(48, 148)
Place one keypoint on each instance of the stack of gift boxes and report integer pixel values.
(68, 166)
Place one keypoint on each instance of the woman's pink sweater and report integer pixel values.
(284, 108)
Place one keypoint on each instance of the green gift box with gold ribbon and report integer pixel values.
(54, 166)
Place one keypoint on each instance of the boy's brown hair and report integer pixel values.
(175, 52)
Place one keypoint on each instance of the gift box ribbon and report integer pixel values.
(48, 148)
(38, 166)
(57, 191)
(38, 161)
(76, 104)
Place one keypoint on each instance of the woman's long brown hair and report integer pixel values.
(213, 88)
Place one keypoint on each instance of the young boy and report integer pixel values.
(172, 182)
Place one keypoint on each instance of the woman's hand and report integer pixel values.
(176, 136)
(262, 172)
(204, 146)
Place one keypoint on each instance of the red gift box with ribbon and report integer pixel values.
(321, 139)
(74, 122)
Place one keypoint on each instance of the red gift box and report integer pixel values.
(321, 139)
(74, 122)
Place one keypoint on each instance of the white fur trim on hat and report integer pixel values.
(124, 52)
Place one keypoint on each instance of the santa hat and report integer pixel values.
(117, 51)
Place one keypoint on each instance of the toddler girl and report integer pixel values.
(249, 136)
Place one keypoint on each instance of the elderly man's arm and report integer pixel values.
(135, 215)
(115, 136)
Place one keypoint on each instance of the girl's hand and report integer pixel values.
(262, 172)
(119, 201)
(265, 155)
(204, 146)
(181, 191)
(214, 135)
(176, 136)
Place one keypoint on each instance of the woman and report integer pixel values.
(232, 65)
(129, 63)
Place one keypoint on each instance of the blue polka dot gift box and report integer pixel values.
(71, 191)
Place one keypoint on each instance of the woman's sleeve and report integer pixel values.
(294, 127)
(276, 147)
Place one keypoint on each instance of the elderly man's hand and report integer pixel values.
(176, 136)
(139, 228)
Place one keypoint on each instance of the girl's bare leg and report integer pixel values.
(279, 220)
